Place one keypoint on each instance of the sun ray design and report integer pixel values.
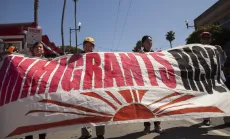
(83, 120)
(47, 111)
(168, 96)
(112, 96)
(93, 94)
(141, 93)
(73, 106)
(180, 99)
(191, 110)
(159, 112)
(126, 94)
(130, 109)
(135, 96)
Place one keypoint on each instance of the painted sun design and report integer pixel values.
(128, 106)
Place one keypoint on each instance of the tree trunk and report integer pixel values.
(36, 11)
(170, 44)
(62, 26)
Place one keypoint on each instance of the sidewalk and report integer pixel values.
(173, 130)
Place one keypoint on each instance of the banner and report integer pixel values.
(40, 96)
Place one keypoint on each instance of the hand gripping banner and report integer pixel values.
(40, 96)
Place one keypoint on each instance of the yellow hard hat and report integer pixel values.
(89, 39)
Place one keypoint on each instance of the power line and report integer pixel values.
(124, 24)
(118, 11)
(107, 48)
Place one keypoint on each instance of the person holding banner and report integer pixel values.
(147, 44)
(88, 46)
(37, 51)
(205, 38)
(9, 50)
(227, 83)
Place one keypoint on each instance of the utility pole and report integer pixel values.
(75, 18)
(36, 11)
(69, 36)
(70, 31)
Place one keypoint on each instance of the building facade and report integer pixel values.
(218, 14)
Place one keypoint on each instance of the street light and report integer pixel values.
(74, 29)
(79, 26)
(186, 22)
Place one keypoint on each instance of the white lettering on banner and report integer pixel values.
(110, 88)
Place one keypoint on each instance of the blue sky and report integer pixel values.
(98, 18)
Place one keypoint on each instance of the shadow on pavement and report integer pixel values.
(223, 126)
(191, 132)
(130, 136)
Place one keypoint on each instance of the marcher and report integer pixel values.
(9, 50)
(227, 83)
(147, 44)
(88, 46)
(205, 38)
(37, 51)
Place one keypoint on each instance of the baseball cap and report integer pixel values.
(205, 35)
(89, 39)
(146, 37)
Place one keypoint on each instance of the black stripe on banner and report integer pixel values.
(205, 78)
(182, 66)
(197, 72)
(190, 59)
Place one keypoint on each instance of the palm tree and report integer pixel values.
(75, 19)
(36, 2)
(170, 36)
(62, 25)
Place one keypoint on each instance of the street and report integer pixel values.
(187, 129)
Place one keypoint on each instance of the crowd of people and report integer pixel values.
(88, 46)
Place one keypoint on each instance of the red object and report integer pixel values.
(205, 34)
(45, 39)
(14, 32)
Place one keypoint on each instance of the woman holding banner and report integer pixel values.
(88, 46)
(147, 44)
(37, 51)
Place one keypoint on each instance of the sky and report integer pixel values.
(99, 20)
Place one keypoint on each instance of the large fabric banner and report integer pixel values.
(41, 96)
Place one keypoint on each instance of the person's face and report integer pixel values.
(147, 44)
(205, 40)
(38, 50)
(88, 47)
